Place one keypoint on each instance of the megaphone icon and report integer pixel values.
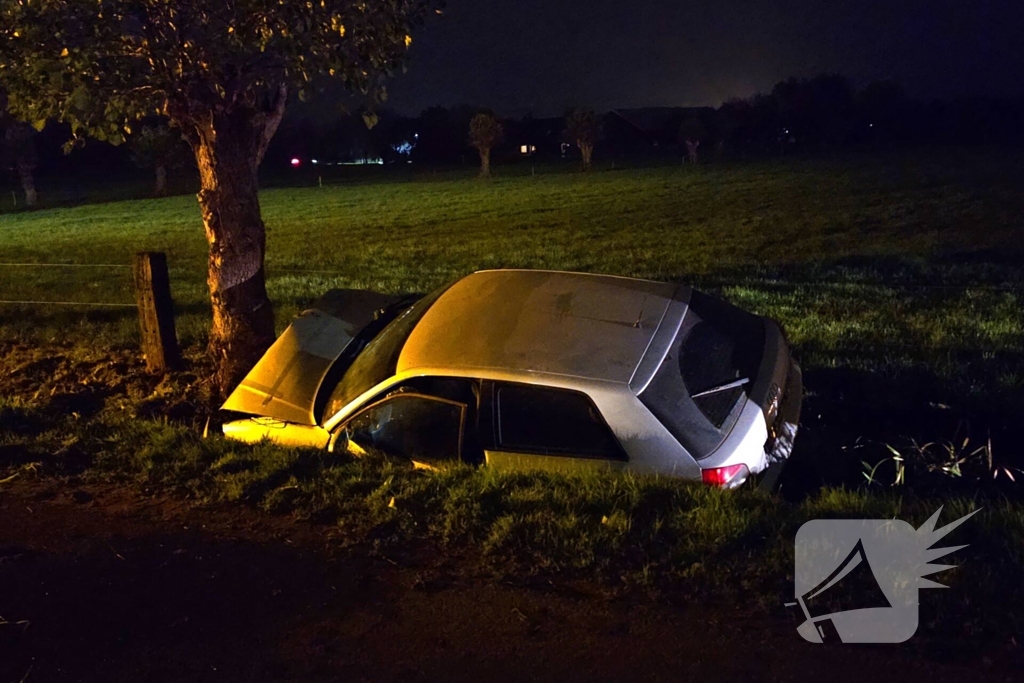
(851, 586)
(859, 601)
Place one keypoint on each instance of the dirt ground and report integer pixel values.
(107, 584)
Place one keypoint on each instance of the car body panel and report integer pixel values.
(771, 376)
(783, 429)
(648, 445)
(519, 462)
(661, 341)
(256, 429)
(580, 325)
(284, 384)
(745, 442)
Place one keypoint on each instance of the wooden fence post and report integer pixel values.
(156, 312)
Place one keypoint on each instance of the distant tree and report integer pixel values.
(160, 148)
(818, 110)
(222, 72)
(442, 134)
(19, 154)
(485, 132)
(582, 129)
(18, 151)
(882, 109)
(692, 132)
(437, 142)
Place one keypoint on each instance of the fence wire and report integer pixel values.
(65, 265)
(40, 302)
(66, 303)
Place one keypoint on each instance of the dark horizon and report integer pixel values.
(541, 57)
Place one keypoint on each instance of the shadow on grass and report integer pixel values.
(852, 417)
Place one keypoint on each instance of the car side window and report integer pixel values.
(422, 428)
(547, 421)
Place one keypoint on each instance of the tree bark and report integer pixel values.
(160, 189)
(228, 149)
(485, 163)
(588, 152)
(28, 183)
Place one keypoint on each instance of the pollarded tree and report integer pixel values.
(485, 132)
(691, 133)
(222, 72)
(160, 148)
(18, 151)
(582, 128)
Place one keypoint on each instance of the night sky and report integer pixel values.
(543, 56)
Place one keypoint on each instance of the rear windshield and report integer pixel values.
(378, 358)
(698, 390)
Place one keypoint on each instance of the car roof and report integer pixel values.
(522, 322)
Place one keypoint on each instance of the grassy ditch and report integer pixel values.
(89, 419)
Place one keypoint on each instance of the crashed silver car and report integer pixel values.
(533, 369)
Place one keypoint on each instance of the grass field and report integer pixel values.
(913, 220)
(897, 278)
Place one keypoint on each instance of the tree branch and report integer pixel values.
(272, 121)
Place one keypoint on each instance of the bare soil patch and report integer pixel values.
(105, 583)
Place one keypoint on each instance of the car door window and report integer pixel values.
(546, 421)
(422, 428)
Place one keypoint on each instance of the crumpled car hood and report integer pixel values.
(284, 384)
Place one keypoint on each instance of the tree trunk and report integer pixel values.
(485, 163)
(691, 150)
(160, 189)
(28, 183)
(588, 152)
(228, 151)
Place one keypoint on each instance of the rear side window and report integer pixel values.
(532, 419)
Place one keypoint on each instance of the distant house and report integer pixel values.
(536, 137)
(650, 130)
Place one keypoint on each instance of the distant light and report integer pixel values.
(365, 161)
(871, 125)
(295, 163)
(313, 161)
(524, 149)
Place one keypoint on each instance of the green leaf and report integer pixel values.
(39, 125)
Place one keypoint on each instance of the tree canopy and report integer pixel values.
(102, 65)
(221, 71)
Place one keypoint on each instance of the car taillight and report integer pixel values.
(728, 477)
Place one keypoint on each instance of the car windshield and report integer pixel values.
(378, 357)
